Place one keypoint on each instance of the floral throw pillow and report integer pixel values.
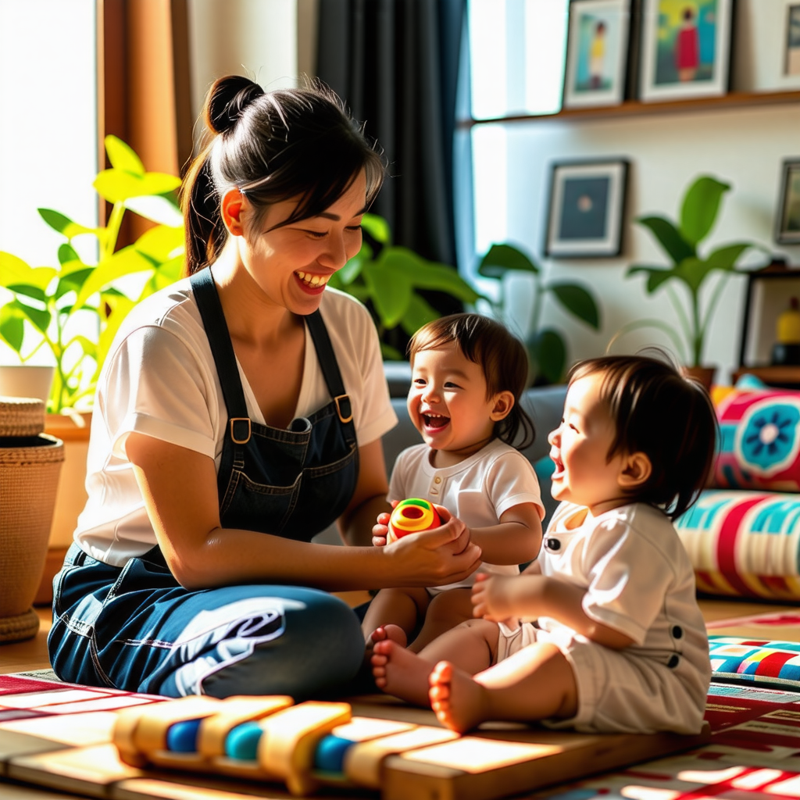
(759, 445)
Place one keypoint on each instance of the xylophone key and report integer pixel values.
(182, 736)
(242, 742)
(330, 752)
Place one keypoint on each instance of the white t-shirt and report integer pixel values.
(638, 580)
(478, 490)
(160, 379)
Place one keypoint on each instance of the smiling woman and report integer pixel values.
(240, 412)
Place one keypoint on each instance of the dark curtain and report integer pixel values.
(395, 63)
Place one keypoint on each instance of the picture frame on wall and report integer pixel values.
(586, 209)
(597, 53)
(767, 46)
(685, 49)
(787, 228)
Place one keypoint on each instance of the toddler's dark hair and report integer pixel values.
(668, 417)
(500, 355)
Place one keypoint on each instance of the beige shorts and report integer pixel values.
(617, 692)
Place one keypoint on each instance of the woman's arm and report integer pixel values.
(369, 499)
(179, 488)
(515, 540)
(531, 595)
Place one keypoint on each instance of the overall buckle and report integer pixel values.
(343, 407)
(240, 437)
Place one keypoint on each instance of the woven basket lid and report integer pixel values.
(21, 416)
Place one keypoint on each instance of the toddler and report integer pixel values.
(617, 642)
(468, 373)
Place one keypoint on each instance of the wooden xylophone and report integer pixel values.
(123, 746)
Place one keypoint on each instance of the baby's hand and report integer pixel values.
(381, 530)
(490, 598)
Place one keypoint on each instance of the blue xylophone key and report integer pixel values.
(329, 756)
(182, 736)
(242, 741)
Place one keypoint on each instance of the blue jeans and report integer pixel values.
(136, 628)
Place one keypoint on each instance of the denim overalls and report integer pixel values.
(136, 628)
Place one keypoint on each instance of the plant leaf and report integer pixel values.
(122, 156)
(669, 237)
(502, 258)
(39, 318)
(12, 327)
(420, 312)
(159, 208)
(390, 292)
(578, 301)
(656, 276)
(549, 354)
(118, 186)
(14, 270)
(64, 225)
(424, 274)
(34, 292)
(725, 257)
(700, 208)
(377, 227)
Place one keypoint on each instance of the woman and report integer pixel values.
(239, 412)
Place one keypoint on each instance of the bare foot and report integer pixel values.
(391, 632)
(458, 701)
(400, 672)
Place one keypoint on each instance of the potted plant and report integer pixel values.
(690, 271)
(388, 279)
(73, 308)
(546, 347)
(50, 303)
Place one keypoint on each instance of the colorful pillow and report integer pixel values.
(744, 544)
(759, 444)
(738, 660)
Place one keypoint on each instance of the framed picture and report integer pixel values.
(586, 209)
(597, 53)
(787, 229)
(685, 49)
(767, 46)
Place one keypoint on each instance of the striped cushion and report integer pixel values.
(755, 661)
(744, 543)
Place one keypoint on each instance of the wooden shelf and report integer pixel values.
(631, 108)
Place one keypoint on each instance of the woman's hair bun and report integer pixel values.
(228, 98)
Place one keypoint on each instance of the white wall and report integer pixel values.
(743, 147)
(255, 38)
(48, 135)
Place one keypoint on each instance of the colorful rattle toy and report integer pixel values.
(412, 516)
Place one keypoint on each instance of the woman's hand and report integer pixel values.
(439, 556)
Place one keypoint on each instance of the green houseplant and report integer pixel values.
(546, 346)
(388, 280)
(689, 270)
(50, 302)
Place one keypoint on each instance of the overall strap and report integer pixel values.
(329, 366)
(207, 297)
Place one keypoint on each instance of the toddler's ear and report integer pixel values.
(503, 403)
(636, 470)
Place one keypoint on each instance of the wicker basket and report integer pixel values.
(30, 463)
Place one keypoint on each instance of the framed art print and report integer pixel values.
(586, 209)
(767, 46)
(597, 53)
(787, 229)
(685, 49)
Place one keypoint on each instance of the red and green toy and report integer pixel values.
(412, 516)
